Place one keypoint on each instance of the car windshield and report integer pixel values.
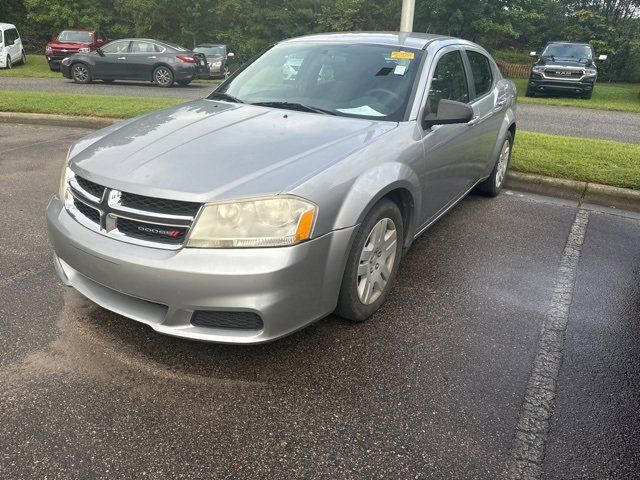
(351, 80)
(217, 50)
(75, 36)
(568, 50)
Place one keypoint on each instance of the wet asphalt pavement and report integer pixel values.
(433, 386)
(578, 122)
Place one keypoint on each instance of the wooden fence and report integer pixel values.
(514, 70)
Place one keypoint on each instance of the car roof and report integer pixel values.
(7, 25)
(570, 43)
(399, 39)
(211, 45)
(77, 30)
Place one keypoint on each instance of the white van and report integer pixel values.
(11, 51)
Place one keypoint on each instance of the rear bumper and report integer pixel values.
(287, 287)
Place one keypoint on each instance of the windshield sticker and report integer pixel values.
(405, 55)
(365, 110)
(400, 70)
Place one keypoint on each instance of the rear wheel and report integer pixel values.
(373, 262)
(80, 73)
(492, 185)
(163, 77)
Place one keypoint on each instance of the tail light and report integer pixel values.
(186, 58)
(48, 50)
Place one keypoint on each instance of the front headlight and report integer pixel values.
(538, 69)
(65, 175)
(590, 71)
(262, 222)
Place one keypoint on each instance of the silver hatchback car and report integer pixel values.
(282, 197)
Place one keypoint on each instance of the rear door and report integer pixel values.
(142, 59)
(113, 63)
(488, 105)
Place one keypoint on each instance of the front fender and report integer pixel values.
(374, 184)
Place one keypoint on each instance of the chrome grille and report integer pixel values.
(564, 73)
(149, 221)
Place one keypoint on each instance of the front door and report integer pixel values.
(113, 63)
(449, 150)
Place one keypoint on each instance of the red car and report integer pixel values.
(70, 42)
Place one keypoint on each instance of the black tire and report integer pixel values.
(492, 186)
(81, 73)
(530, 93)
(163, 76)
(184, 83)
(24, 58)
(54, 69)
(350, 306)
(8, 64)
(588, 95)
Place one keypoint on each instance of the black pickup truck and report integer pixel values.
(564, 68)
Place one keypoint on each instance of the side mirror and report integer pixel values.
(54, 38)
(449, 111)
(533, 54)
(100, 41)
(99, 52)
(231, 55)
(602, 57)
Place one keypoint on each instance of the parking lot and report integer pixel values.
(436, 385)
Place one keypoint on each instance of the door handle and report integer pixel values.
(153, 57)
(121, 58)
(474, 120)
(499, 104)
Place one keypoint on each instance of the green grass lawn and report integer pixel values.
(589, 160)
(623, 97)
(36, 66)
(90, 105)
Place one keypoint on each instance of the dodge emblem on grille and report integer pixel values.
(157, 231)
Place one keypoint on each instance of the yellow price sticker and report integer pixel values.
(400, 54)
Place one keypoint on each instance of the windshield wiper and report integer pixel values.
(301, 107)
(224, 96)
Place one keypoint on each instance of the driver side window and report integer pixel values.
(449, 81)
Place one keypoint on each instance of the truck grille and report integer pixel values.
(565, 74)
(150, 221)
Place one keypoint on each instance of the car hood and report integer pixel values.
(562, 62)
(67, 45)
(207, 150)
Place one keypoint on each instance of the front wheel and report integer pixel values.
(588, 95)
(163, 77)
(8, 63)
(24, 58)
(80, 73)
(373, 262)
(530, 92)
(493, 184)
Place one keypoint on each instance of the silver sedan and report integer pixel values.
(291, 192)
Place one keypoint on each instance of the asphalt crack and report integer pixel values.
(532, 430)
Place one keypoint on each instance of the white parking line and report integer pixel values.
(531, 433)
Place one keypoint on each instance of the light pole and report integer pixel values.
(406, 17)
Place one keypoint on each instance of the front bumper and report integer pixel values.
(287, 287)
(540, 85)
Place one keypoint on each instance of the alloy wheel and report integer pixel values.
(376, 261)
(80, 73)
(503, 163)
(163, 76)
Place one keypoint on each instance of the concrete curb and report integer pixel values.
(582, 192)
(57, 120)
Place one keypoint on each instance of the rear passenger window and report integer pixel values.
(481, 71)
(449, 81)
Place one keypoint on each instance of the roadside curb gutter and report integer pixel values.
(582, 192)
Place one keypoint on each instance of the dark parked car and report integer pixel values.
(70, 42)
(564, 67)
(155, 61)
(218, 57)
